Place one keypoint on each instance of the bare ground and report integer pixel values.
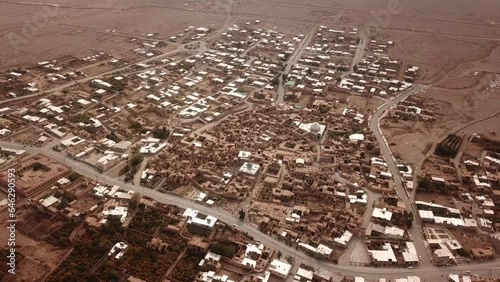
(40, 257)
(39, 30)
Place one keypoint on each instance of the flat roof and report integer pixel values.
(280, 267)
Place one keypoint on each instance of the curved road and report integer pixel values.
(418, 240)
(430, 273)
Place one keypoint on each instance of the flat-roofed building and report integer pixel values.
(280, 268)
(35, 175)
(385, 256)
(482, 253)
(196, 218)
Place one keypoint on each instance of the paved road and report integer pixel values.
(360, 50)
(426, 270)
(430, 272)
(391, 164)
(180, 48)
(292, 60)
(20, 98)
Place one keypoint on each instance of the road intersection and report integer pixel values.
(425, 270)
(392, 166)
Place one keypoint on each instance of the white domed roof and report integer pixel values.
(315, 127)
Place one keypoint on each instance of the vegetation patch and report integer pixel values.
(80, 261)
(188, 267)
(224, 248)
(147, 220)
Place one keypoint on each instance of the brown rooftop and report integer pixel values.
(35, 174)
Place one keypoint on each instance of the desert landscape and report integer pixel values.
(247, 140)
(54, 28)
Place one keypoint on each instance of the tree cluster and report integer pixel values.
(223, 248)
(147, 220)
(161, 133)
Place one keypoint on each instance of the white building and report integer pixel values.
(118, 211)
(49, 201)
(75, 140)
(151, 146)
(244, 155)
(408, 279)
(313, 128)
(194, 217)
(382, 214)
(303, 275)
(249, 168)
(356, 137)
(211, 276)
(118, 250)
(280, 268)
(344, 239)
(250, 251)
(386, 255)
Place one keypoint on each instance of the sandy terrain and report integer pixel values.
(77, 29)
(472, 240)
(409, 139)
(437, 57)
(365, 105)
(406, 141)
(38, 30)
(456, 44)
(472, 91)
(40, 257)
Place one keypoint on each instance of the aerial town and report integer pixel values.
(252, 148)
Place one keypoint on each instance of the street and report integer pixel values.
(425, 270)
(429, 272)
(392, 166)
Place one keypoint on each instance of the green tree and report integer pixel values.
(74, 176)
(124, 169)
(113, 226)
(463, 252)
(136, 126)
(224, 249)
(408, 219)
(136, 160)
(275, 81)
(134, 201)
(161, 133)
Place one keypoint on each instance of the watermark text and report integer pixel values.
(11, 221)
